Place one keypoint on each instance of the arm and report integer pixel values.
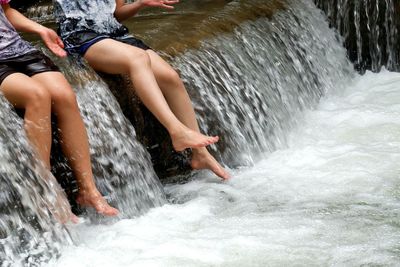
(124, 11)
(22, 23)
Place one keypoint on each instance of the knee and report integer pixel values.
(173, 77)
(64, 98)
(173, 80)
(138, 59)
(38, 98)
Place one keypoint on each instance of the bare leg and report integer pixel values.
(25, 93)
(178, 99)
(118, 58)
(74, 139)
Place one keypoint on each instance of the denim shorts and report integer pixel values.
(79, 43)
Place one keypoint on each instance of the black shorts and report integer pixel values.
(79, 42)
(29, 64)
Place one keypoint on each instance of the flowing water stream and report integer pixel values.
(315, 181)
(324, 188)
(331, 198)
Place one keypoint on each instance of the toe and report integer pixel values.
(113, 212)
(74, 219)
(222, 173)
(109, 211)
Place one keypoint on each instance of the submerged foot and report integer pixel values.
(60, 208)
(97, 202)
(187, 138)
(204, 160)
(74, 219)
(66, 217)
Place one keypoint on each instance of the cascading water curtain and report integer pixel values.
(255, 81)
(370, 31)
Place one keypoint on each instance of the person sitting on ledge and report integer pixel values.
(92, 29)
(29, 80)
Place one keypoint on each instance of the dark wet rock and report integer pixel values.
(370, 30)
(24, 4)
(149, 131)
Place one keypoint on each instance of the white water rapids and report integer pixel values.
(331, 198)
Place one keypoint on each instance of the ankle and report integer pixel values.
(199, 152)
(88, 192)
(176, 130)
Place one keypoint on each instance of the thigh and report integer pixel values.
(111, 56)
(18, 88)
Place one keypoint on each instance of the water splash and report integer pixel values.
(28, 232)
(248, 86)
(329, 198)
(121, 165)
(40, 13)
(122, 168)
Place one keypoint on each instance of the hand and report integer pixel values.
(159, 3)
(52, 41)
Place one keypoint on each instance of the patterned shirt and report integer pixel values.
(86, 15)
(11, 44)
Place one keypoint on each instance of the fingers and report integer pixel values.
(61, 52)
(74, 219)
(60, 42)
(57, 47)
(54, 43)
(167, 6)
(171, 2)
(57, 50)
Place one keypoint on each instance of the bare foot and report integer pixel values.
(187, 138)
(202, 159)
(97, 202)
(60, 208)
(64, 217)
(74, 219)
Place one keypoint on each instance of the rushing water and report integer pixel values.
(250, 87)
(314, 185)
(28, 196)
(121, 165)
(122, 170)
(326, 193)
(331, 198)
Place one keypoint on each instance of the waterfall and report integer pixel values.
(121, 166)
(28, 232)
(120, 163)
(329, 198)
(250, 85)
(370, 30)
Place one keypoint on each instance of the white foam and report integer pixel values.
(331, 198)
